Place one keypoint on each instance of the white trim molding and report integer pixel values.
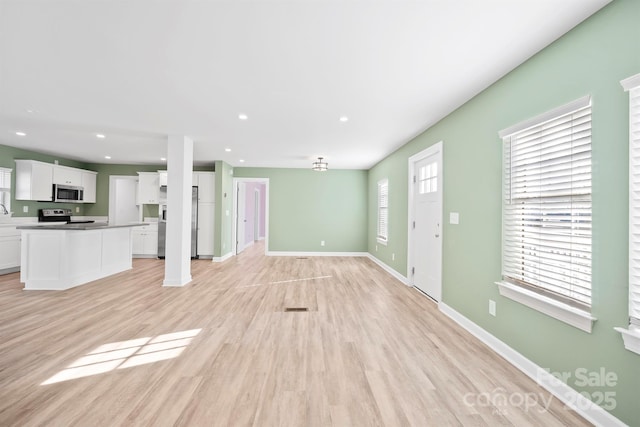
(560, 111)
(222, 258)
(565, 313)
(305, 254)
(630, 82)
(389, 270)
(631, 339)
(567, 395)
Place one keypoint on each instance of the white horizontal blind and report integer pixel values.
(547, 207)
(5, 190)
(5, 179)
(634, 205)
(383, 210)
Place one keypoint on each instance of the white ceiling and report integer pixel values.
(138, 70)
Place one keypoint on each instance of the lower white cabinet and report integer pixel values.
(145, 241)
(9, 248)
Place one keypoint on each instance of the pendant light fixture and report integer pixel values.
(320, 166)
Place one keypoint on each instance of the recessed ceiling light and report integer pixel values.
(344, 119)
(241, 160)
(99, 135)
(19, 133)
(107, 157)
(163, 158)
(30, 111)
(242, 116)
(227, 149)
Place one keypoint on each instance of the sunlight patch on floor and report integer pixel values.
(126, 354)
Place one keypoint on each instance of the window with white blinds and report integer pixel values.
(547, 204)
(5, 190)
(632, 85)
(383, 210)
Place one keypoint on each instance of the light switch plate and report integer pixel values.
(454, 218)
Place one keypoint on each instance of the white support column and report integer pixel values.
(177, 267)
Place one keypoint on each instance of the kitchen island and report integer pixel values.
(61, 256)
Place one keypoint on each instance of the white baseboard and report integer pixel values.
(389, 270)
(177, 283)
(9, 270)
(340, 254)
(570, 397)
(222, 258)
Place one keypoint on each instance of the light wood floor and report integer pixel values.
(222, 351)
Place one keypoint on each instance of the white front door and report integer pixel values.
(426, 226)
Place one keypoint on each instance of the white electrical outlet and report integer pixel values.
(25, 209)
(376, 248)
(393, 257)
(321, 242)
(77, 209)
(492, 307)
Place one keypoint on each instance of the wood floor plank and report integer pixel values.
(222, 351)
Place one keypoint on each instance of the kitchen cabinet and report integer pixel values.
(206, 222)
(206, 182)
(148, 188)
(162, 178)
(89, 185)
(9, 248)
(67, 176)
(145, 241)
(34, 180)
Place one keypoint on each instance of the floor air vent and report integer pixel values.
(296, 309)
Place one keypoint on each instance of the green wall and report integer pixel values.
(223, 221)
(8, 155)
(306, 207)
(591, 59)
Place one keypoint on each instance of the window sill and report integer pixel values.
(565, 313)
(631, 338)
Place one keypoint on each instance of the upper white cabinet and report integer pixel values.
(89, 185)
(162, 178)
(34, 180)
(67, 176)
(148, 188)
(206, 183)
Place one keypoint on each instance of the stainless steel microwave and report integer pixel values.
(67, 193)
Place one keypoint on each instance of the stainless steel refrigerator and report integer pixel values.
(162, 227)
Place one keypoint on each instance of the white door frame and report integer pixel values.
(435, 149)
(112, 195)
(235, 213)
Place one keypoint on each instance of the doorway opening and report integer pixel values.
(250, 213)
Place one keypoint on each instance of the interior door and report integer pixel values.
(427, 226)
